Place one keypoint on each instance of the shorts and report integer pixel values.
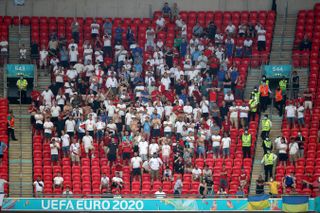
(54, 158)
(48, 135)
(75, 158)
(126, 155)
(308, 105)
(156, 133)
(39, 126)
(87, 149)
(65, 149)
(200, 150)
(283, 157)
(99, 134)
(112, 157)
(167, 134)
(154, 173)
(226, 151)
(290, 120)
(216, 149)
(301, 121)
(81, 135)
(71, 134)
(144, 157)
(136, 171)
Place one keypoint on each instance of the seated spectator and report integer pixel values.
(39, 186)
(243, 179)
(58, 181)
(160, 194)
(67, 193)
(104, 182)
(242, 29)
(167, 174)
(197, 30)
(3, 148)
(117, 181)
(240, 193)
(230, 29)
(222, 192)
(305, 43)
(223, 177)
(202, 189)
(289, 181)
(196, 173)
(274, 186)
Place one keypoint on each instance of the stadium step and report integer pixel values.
(275, 132)
(1, 82)
(20, 154)
(44, 79)
(283, 38)
(254, 75)
(17, 37)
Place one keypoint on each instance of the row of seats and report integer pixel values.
(4, 138)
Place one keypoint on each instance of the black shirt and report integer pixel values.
(113, 148)
(260, 188)
(295, 82)
(179, 167)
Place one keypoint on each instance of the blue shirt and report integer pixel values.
(183, 97)
(107, 27)
(195, 55)
(3, 146)
(64, 55)
(118, 33)
(147, 127)
(234, 75)
(220, 75)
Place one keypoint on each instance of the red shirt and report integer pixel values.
(127, 147)
(212, 96)
(226, 126)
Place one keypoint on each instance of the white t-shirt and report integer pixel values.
(105, 180)
(58, 180)
(54, 149)
(166, 149)
(261, 35)
(244, 111)
(72, 74)
(160, 22)
(215, 140)
(90, 124)
(60, 99)
(233, 111)
(48, 125)
(160, 195)
(204, 106)
(187, 109)
(300, 111)
(283, 148)
(38, 187)
(75, 149)
(247, 43)
(43, 55)
(293, 148)
(226, 141)
(95, 28)
(136, 162)
(230, 28)
(291, 111)
(167, 126)
(65, 140)
(179, 126)
(155, 163)
(70, 125)
(73, 54)
(153, 148)
(47, 96)
(143, 147)
(55, 110)
(87, 141)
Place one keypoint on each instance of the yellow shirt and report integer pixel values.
(274, 187)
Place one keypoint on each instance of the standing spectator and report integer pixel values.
(48, 128)
(216, 139)
(233, 110)
(244, 110)
(307, 95)
(112, 151)
(177, 188)
(155, 163)
(160, 24)
(293, 151)
(300, 112)
(290, 114)
(3, 148)
(300, 140)
(34, 52)
(223, 178)
(247, 43)
(197, 30)
(166, 10)
(283, 155)
(295, 84)
(196, 173)
(95, 27)
(107, 47)
(4, 48)
(261, 39)
(178, 164)
(202, 189)
(23, 53)
(75, 30)
(70, 126)
(225, 143)
(260, 185)
(39, 186)
(87, 141)
(65, 138)
(268, 161)
(107, 27)
(54, 147)
(230, 29)
(305, 44)
(136, 163)
(10, 124)
(174, 11)
(243, 179)
(75, 152)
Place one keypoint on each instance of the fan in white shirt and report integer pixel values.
(47, 95)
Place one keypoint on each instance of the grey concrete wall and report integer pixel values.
(138, 8)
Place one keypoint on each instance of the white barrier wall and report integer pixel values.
(138, 8)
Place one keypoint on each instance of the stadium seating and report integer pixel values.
(4, 138)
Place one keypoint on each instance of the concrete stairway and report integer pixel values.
(1, 82)
(275, 132)
(44, 79)
(14, 44)
(20, 154)
(253, 79)
(282, 43)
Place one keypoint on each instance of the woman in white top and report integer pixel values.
(39, 122)
(283, 155)
(225, 145)
(261, 39)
